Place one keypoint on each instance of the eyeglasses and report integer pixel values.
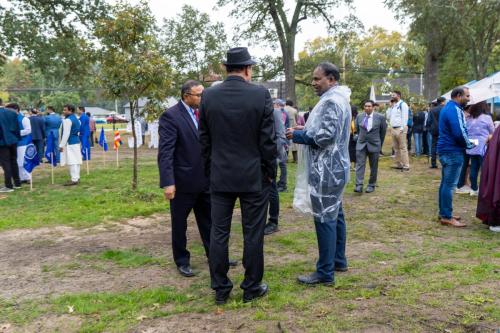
(197, 95)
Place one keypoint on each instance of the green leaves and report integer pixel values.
(195, 46)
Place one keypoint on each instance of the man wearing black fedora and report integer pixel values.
(239, 150)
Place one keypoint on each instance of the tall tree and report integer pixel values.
(480, 31)
(268, 19)
(377, 53)
(194, 45)
(430, 25)
(131, 63)
(444, 31)
(53, 35)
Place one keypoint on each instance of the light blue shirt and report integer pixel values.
(191, 113)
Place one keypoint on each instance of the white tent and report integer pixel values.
(485, 89)
(468, 85)
(482, 90)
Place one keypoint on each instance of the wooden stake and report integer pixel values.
(52, 167)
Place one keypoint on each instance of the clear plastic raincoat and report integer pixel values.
(323, 170)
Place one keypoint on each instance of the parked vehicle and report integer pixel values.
(116, 118)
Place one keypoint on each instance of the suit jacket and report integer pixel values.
(10, 132)
(433, 119)
(52, 124)
(374, 138)
(237, 136)
(179, 152)
(84, 126)
(419, 122)
(37, 127)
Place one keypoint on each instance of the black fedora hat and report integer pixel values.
(239, 56)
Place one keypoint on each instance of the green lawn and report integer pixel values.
(407, 273)
(103, 195)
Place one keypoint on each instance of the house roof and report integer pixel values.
(97, 111)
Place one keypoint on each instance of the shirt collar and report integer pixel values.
(456, 104)
(187, 107)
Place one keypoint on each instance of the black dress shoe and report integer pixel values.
(433, 167)
(185, 270)
(221, 297)
(358, 189)
(313, 279)
(250, 296)
(370, 189)
(233, 263)
(397, 167)
(341, 269)
(270, 228)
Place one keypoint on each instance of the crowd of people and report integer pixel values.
(227, 143)
(230, 141)
(70, 137)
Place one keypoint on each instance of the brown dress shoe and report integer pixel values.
(452, 222)
(458, 218)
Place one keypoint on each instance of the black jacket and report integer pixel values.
(433, 120)
(237, 136)
(418, 122)
(179, 152)
(37, 127)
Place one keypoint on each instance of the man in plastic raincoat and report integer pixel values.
(324, 171)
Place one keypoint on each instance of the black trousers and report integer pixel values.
(274, 203)
(8, 162)
(434, 150)
(40, 146)
(180, 207)
(253, 218)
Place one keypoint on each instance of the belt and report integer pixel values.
(396, 126)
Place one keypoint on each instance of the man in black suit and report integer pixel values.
(433, 123)
(38, 132)
(181, 173)
(10, 134)
(371, 128)
(238, 143)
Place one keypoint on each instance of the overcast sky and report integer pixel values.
(370, 12)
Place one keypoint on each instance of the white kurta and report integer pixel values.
(138, 134)
(153, 132)
(71, 154)
(21, 150)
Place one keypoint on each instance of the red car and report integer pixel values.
(116, 118)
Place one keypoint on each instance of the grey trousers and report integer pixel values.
(361, 165)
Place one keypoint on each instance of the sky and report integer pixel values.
(370, 13)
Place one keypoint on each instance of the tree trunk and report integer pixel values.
(133, 105)
(289, 66)
(431, 82)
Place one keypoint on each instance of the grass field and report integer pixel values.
(97, 258)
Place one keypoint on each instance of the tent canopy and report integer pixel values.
(487, 89)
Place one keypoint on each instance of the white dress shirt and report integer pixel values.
(399, 114)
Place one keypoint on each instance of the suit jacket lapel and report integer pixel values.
(187, 118)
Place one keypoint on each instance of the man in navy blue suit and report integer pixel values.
(182, 175)
(38, 132)
(10, 134)
(53, 122)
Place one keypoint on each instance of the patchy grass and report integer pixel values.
(101, 196)
(407, 273)
(126, 258)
